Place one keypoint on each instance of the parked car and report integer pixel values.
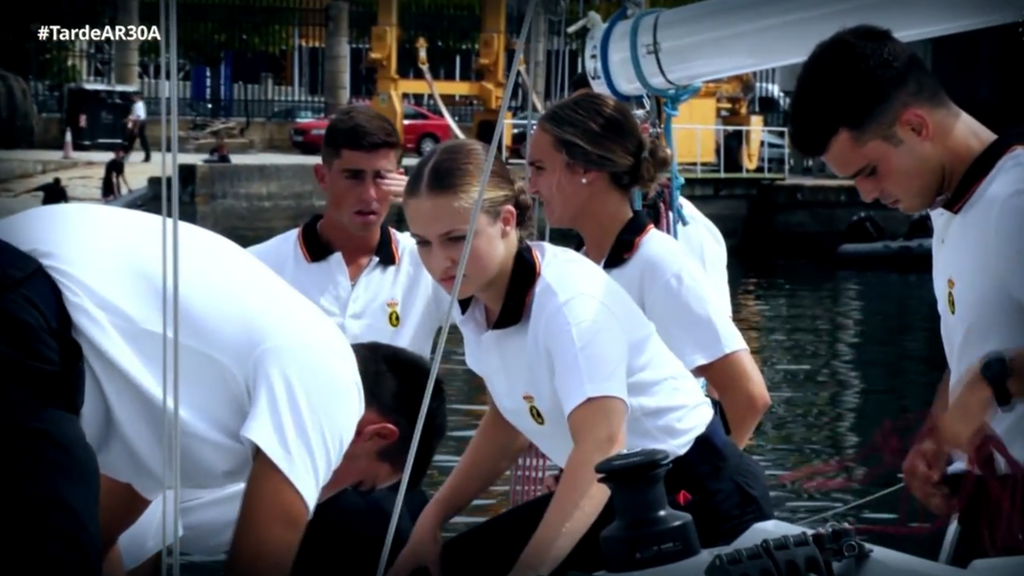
(298, 113)
(422, 130)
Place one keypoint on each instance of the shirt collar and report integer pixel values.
(314, 249)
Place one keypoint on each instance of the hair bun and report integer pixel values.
(523, 205)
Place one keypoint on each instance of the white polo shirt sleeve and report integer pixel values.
(587, 350)
(690, 316)
(306, 401)
(1007, 239)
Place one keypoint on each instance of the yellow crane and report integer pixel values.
(383, 55)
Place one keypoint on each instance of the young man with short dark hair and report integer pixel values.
(870, 108)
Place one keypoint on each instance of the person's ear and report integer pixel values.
(381, 433)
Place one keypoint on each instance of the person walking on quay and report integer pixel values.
(137, 127)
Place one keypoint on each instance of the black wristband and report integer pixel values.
(995, 370)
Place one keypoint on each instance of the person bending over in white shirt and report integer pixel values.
(584, 178)
(572, 365)
(269, 389)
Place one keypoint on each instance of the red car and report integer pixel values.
(422, 131)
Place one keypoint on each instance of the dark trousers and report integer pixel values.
(728, 495)
(138, 134)
(52, 478)
(348, 531)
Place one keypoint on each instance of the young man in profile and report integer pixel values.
(271, 395)
(869, 107)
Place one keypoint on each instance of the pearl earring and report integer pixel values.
(584, 180)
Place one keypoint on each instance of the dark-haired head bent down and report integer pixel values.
(572, 365)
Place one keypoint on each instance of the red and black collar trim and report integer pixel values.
(626, 242)
(525, 273)
(314, 249)
(979, 170)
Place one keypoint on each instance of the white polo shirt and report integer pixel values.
(394, 300)
(705, 246)
(978, 271)
(566, 333)
(139, 110)
(259, 365)
(675, 292)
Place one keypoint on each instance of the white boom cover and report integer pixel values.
(719, 38)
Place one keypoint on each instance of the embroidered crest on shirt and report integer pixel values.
(950, 300)
(534, 411)
(393, 317)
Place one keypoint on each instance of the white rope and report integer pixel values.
(496, 140)
(860, 502)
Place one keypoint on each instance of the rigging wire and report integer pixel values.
(846, 507)
(163, 256)
(496, 140)
(171, 325)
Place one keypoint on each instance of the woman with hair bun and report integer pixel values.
(586, 157)
(572, 365)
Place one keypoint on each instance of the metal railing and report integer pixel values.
(517, 131)
(727, 145)
(701, 149)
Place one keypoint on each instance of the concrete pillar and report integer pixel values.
(336, 57)
(126, 53)
(537, 65)
(78, 60)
